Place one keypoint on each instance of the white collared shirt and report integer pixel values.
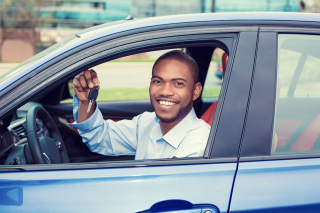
(142, 136)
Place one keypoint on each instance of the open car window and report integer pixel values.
(128, 79)
(124, 94)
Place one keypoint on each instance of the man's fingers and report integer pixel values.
(87, 75)
(77, 85)
(94, 78)
(83, 83)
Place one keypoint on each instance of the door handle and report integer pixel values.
(181, 206)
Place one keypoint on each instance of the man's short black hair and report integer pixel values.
(180, 56)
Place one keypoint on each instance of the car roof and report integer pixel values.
(105, 30)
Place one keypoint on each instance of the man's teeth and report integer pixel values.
(167, 103)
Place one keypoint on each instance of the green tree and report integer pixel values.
(16, 15)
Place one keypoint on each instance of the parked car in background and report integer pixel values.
(262, 154)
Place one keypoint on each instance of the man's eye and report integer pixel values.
(179, 83)
(156, 81)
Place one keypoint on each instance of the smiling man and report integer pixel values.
(173, 130)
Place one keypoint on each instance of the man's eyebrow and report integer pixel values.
(155, 76)
(174, 79)
(179, 79)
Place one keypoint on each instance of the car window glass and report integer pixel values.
(213, 82)
(297, 115)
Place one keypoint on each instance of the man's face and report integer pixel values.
(172, 90)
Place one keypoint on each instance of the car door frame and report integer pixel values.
(224, 140)
(260, 175)
(108, 50)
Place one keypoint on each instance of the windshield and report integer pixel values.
(35, 58)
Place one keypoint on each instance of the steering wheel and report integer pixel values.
(47, 150)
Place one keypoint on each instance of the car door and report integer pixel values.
(163, 185)
(279, 165)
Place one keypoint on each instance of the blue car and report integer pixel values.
(263, 151)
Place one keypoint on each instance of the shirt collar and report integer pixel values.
(175, 136)
(156, 132)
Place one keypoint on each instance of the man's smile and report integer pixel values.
(167, 103)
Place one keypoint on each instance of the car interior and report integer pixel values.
(297, 123)
(42, 124)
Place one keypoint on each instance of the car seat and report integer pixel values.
(209, 113)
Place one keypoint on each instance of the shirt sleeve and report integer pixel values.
(107, 137)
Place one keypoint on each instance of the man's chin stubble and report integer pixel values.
(182, 113)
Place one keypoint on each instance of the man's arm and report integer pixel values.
(104, 137)
(82, 84)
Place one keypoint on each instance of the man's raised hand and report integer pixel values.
(83, 82)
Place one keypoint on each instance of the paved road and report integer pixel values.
(127, 74)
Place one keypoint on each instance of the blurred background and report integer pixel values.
(30, 26)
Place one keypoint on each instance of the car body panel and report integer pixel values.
(235, 104)
(277, 185)
(120, 189)
(259, 121)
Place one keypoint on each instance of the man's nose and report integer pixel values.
(166, 90)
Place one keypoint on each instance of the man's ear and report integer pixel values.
(197, 89)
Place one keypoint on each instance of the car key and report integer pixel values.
(93, 94)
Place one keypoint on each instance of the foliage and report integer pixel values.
(20, 14)
(19, 19)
